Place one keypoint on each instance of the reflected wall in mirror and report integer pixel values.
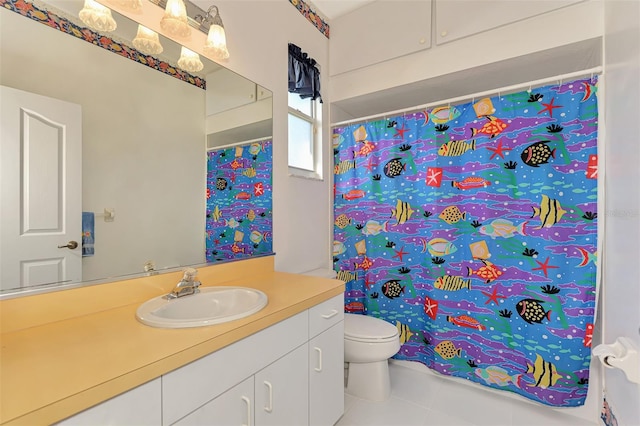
(144, 139)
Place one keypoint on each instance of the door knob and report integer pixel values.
(71, 245)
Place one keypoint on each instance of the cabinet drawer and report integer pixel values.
(326, 314)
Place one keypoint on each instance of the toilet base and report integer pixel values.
(369, 380)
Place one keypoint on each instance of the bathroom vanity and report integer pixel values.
(76, 364)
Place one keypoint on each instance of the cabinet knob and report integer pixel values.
(443, 33)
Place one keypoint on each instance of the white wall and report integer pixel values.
(151, 174)
(621, 292)
(258, 33)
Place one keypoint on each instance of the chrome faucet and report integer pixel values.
(188, 285)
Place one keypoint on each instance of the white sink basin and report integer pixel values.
(212, 305)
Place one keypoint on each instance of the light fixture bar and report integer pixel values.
(192, 12)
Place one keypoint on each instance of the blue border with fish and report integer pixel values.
(473, 229)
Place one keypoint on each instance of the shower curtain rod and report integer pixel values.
(231, 145)
(531, 84)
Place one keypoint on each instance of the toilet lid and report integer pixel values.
(366, 327)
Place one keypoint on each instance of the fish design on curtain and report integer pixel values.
(473, 229)
(239, 202)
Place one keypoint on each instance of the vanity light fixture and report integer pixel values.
(175, 20)
(190, 61)
(216, 43)
(147, 41)
(97, 16)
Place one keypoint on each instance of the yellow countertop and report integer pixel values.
(66, 351)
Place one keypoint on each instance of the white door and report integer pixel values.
(621, 288)
(41, 190)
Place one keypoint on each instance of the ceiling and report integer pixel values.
(334, 8)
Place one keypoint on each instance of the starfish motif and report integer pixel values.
(400, 253)
(544, 267)
(549, 107)
(369, 166)
(400, 132)
(367, 283)
(431, 308)
(493, 296)
(592, 167)
(498, 150)
(258, 189)
(432, 178)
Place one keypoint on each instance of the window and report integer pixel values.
(303, 133)
(305, 115)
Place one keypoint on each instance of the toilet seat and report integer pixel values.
(366, 329)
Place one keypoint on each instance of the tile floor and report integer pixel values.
(421, 398)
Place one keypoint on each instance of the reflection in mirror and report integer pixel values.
(140, 167)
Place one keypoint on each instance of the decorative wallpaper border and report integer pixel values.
(53, 20)
(311, 16)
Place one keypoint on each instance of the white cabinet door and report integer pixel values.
(275, 396)
(190, 387)
(462, 18)
(232, 408)
(139, 406)
(282, 391)
(378, 32)
(326, 376)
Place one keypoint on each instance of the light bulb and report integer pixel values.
(97, 17)
(147, 41)
(174, 20)
(216, 43)
(190, 61)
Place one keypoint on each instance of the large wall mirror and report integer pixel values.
(145, 136)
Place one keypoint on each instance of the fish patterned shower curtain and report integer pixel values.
(473, 229)
(239, 220)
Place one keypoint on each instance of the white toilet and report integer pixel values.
(369, 342)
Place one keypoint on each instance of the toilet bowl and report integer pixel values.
(369, 342)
